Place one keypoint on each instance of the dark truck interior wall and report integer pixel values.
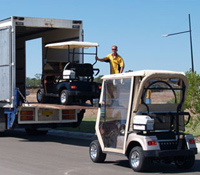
(20, 66)
(48, 35)
(59, 35)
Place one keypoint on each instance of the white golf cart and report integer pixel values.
(141, 115)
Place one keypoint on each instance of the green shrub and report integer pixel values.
(192, 102)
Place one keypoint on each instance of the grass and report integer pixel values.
(193, 127)
(195, 132)
(87, 125)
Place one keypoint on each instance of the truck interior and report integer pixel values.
(47, 35)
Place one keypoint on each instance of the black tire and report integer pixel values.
(185, 162)
(80, 118)
(64, 97)
(35, 132)
(137, 160)
(41, 98)
(96, 153)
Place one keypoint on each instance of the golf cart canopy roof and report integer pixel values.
(143, 73)
(72, 45)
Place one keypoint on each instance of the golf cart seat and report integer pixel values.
(81, 70)
(84, 70)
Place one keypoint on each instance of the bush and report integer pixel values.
(192, 102)
(33, 82)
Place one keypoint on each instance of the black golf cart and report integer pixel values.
(68, 80)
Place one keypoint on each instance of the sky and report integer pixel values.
(135, 26)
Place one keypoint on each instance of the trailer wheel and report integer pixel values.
(185, 162)
(137, 160)
(40, 96)
(96, 153)
(64, 97)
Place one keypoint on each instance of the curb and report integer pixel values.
(71, 134)
(86, 136)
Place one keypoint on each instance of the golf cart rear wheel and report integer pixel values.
(137, 160)
(96, 153)
(64, 97)
(185, 162)
(41, 98)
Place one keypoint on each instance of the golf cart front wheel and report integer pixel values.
(96, 153)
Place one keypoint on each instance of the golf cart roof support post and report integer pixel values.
(68, 54)
(73, 55)
(95, 56)
(179, 107)
(45, 59)
(82, 55)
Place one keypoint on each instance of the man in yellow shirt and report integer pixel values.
(115, 60)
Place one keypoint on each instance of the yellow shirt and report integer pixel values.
(148, 94)
(115, 63)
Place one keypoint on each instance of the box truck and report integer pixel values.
(14, 109)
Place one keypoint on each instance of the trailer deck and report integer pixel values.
(57, 106)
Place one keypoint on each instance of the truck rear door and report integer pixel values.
(5, 65)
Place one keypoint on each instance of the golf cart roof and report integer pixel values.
(142, 73)
(72, 45)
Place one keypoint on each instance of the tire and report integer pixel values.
(185, 162)
(80, 118)
(40, 96)
(137, 160)
(96, 153)
(64, 97)
(35, 132)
